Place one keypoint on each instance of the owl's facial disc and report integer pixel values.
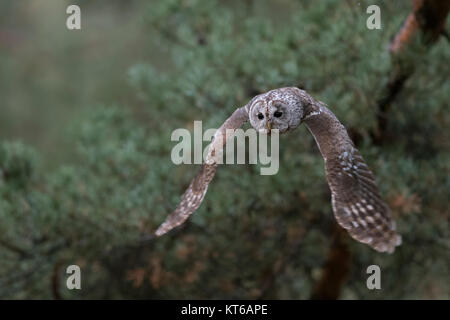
(268, 115)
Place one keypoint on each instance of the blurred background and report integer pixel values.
(85, 123)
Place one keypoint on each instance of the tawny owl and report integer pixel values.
(355, 199)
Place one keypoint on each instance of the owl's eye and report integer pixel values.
(278, 114)
(260, 116)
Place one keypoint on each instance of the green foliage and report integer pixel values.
(254, 236)
(17, 164)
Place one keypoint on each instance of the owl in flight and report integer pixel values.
(356, 202)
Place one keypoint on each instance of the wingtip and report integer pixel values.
(390, 246)
(160, 231)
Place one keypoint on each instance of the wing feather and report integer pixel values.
(193, 196)
(357, 204)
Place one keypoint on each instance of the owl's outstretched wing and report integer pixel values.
(193, 196)
(355, 198)
(357, 204)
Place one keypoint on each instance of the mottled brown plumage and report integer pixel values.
(356, 202)
(193, 197)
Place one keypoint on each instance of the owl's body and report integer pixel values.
(356, 202)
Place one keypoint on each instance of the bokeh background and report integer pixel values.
(85, 173)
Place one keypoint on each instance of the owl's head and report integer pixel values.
(280, 109)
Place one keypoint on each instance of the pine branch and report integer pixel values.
(427, 19)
